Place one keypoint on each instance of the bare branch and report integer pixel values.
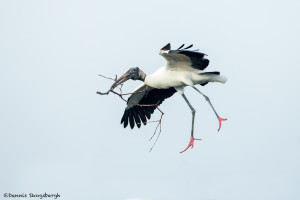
(159, 122)
(108, 77)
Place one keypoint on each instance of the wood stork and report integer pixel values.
(183, 68)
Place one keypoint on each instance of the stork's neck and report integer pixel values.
(142, 76)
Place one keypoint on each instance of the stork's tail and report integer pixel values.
(222, 79)
(214, 77)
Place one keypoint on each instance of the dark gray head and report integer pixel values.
(133, 73)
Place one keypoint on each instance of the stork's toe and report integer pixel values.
(190, 144)
(220, 122)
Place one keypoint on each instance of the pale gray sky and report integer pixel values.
(57, 135)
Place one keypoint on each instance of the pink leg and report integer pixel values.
(207, 99)
(192, 131)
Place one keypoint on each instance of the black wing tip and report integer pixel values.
(206, 62)
(138, 115)
(142, 115)
(131, 126)
(167, 47)
(124, 119)
(189, 47)
(137, 119)
(197, 59)
(132, 117)
(180, 47)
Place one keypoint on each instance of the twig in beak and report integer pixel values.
(116, 83)
(119, 82)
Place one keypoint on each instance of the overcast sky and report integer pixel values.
(58, 136)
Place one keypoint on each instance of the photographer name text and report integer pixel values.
(31, 195)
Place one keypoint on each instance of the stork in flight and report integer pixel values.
(183, 68)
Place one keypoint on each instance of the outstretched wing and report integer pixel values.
(184, 57)
(140, 105)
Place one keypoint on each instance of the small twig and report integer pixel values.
(119, 87)
(159, 124)
(135, 93)
(108, 77)
(119, 94)
(150, 122)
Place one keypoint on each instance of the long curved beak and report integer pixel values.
(121, 80)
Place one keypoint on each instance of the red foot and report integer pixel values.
(220, 121)
(190, 144)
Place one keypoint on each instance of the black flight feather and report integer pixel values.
(181, 46)
(131, 121)
(197, 59)
(125, 118)
(189, 46)
(138, 113)
(142, 115)
(136, 118)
